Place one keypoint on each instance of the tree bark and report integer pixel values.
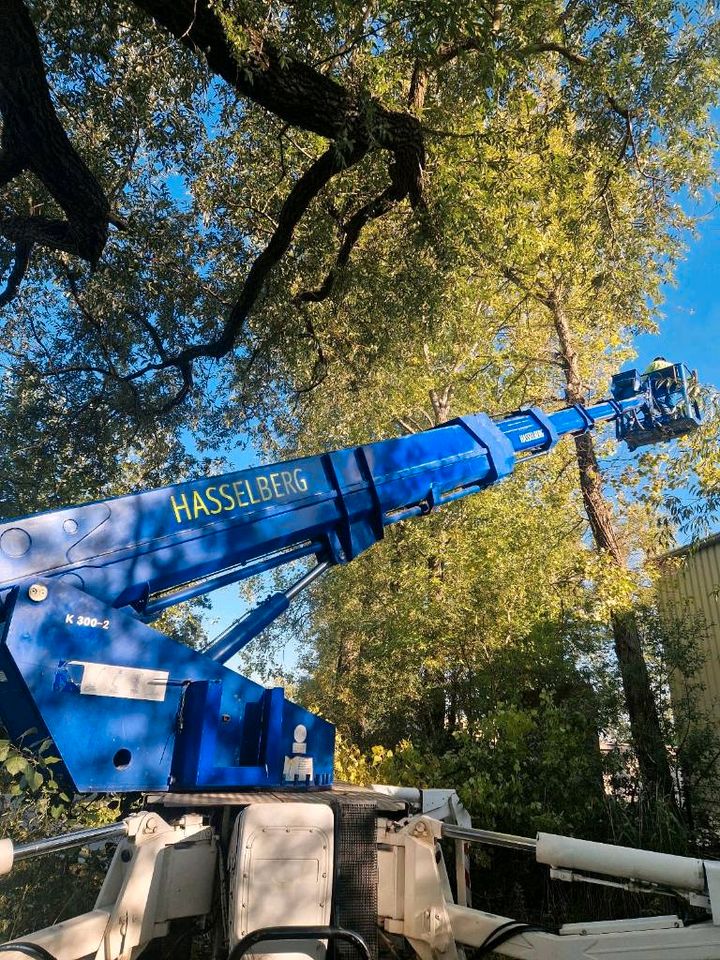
(645, 726)
(34, 139)
(295, 91)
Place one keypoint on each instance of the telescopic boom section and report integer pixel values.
(127, 549)
(152, 550)
(79, 586)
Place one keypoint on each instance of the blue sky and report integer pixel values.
(691, 329)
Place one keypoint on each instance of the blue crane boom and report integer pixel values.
(130, 709)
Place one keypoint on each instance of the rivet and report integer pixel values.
(37, 592)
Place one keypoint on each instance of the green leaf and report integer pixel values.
(15, 765)
(34, 779)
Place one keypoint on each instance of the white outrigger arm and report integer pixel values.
(273, 878)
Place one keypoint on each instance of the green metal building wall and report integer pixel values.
(691, 582)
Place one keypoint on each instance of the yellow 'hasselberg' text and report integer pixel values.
(238, 494)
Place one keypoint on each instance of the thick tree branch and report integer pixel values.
(295, 91)
(418, 88)
(377, 207)
(34, 139)
(11, 164)
(297, 202)
(45, 231)
(18, 271)
(303, 97)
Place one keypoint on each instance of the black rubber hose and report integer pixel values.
(29, 949)
(506, 931)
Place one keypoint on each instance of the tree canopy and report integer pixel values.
(319, 223)
(191, 174)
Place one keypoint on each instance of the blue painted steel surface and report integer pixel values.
(130, 709)
(238, 735)
(125, 549)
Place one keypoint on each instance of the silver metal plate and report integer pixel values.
(126, 683)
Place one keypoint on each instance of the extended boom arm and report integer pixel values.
(81, 583)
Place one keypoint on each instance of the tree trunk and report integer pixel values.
(439, 709)
(645, 726)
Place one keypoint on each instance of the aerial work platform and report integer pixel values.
(673, 412)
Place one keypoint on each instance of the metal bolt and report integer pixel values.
(38, 592)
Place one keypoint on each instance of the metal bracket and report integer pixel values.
(712, 877)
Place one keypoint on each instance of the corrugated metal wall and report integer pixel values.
(694, 586)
